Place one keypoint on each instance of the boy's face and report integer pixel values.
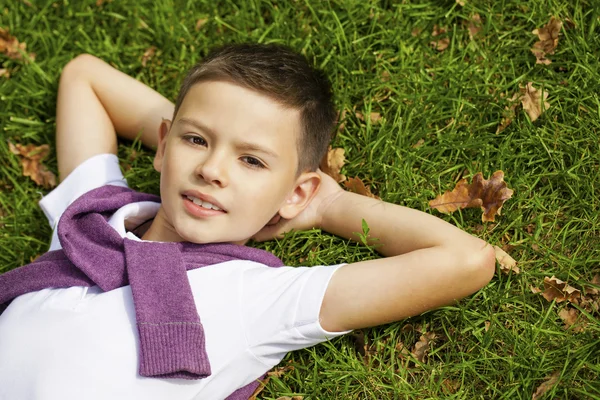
(233, 148)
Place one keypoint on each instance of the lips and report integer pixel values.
(201, 205)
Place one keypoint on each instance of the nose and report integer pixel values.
(213, 169)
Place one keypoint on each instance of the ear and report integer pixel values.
(300, 197)
(163, 130)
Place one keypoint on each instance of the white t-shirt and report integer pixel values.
(82, 343)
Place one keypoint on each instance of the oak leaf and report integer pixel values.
(507, 263)
(277, 372)
(490, 195)
(440, 44)
(475, 25)
(200, 23)
(546, 385)
(10, 46)
(555, 289)
(531, 99)
(356, 185)
(569, 316)
(422, 347)
(148, 54)
(332, 163)
(509, 113)
(548, 36)
(31, 157)
(374, 117)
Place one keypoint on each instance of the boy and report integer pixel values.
(238, 156)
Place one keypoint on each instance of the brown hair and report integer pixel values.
(284, 76)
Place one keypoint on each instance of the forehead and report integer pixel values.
(229, 109)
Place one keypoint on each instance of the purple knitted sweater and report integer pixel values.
(93, 253)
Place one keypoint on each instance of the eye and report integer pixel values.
(196, 140)
(253, 162)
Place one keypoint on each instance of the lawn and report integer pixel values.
(425, 91)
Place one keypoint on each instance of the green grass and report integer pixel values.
(451, 99)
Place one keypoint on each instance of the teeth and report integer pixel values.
(204, 204)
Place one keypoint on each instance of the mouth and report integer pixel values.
(200, 205)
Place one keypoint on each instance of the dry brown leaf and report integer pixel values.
(415, 32)
(490, 195)
(356, 185)
(475, 25)
(31, 157)
(332, 163)
(450, 386)
(277, 372)
(10, 46)
(509, 113)
(422, 346)
(461, 2)
(507, 263)
(4, 72)
(200, 23)
(569, 316)
(374, 117)
(419, 143)
(439, 44)
(148, 54)
(555, 289)
(531, 100)
(548, 36)
(546, 385)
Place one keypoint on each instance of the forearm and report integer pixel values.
(393, 229)
(96, 101)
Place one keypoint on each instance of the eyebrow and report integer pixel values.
(246, 146)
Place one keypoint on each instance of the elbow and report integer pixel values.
(78, 66)
(483, 263)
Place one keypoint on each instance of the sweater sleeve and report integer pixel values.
(172, 342)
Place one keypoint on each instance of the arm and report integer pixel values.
(429, 262)
(94, 102)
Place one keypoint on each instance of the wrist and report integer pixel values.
(328, 207)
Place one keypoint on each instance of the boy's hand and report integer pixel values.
(311, 217)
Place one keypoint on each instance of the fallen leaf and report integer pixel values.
(545, 386)
(440, 44)
(569, 316)
(4, 72)
(509, 113)
(333, 162)
(421, 348)
(280, 371)
(374, 117)
(507, 263)
(31, 157)
(490, 195)
(532, 101)
(148, 54)
(356, 185)
(548, 36)
(450, 386)
(419, 143)
(555, 289)
(487, 325)
(277, 372)
(415, 32)
(10, 46)
(461, 2)
(475, 25)
(200, 23)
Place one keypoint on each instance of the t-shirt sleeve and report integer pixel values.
(281, 308)
(96, 171)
